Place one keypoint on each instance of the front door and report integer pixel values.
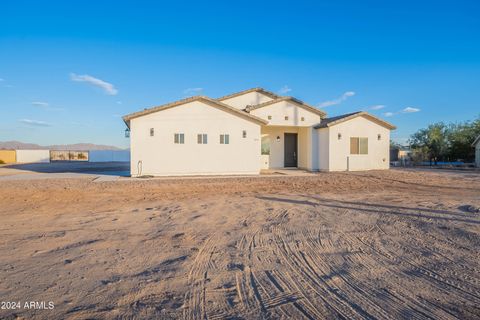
(290, 149)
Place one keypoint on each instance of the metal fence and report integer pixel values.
(64, 155)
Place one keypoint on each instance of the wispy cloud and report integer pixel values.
(35, 123)
(406, 110)
(285, 89)
(119, 102)
(410, 110)
(40, 104)
(105, 86)
(376, 107)
(1, 79)
(46, 106)
(192, 91)
(338, 100)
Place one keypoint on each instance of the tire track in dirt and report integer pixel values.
(195, 298)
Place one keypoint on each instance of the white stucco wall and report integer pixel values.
(276, 158)
(323, 150)
(160, 156)
(247, 99)
(108, 155)
(339, 157)
(24, 156)
(278, 111)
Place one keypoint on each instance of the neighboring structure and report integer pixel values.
(37, 156)
(252, 130)
(28, 156)
(8, 156)
(476, 145)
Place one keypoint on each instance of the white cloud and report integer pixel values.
(105, 86)
(35, 123)
(376, 107)
(192, 91)
(406, 110)
(40, 104)
(285, 89)
(410, 110)
(338, 100)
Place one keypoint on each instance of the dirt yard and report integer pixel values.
(386, 245)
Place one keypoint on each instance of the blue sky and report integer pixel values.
(70, 69)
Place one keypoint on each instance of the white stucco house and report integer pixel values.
(476, 145)
(251, 130)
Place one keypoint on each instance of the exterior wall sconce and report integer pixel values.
(379, 136)
(339, 136)
(278, 138)
(127, 133)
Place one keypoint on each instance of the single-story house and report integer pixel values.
(251, 130)
(476, 145)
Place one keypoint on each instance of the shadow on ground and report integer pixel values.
(104, 168)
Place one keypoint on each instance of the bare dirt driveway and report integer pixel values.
(386, 245)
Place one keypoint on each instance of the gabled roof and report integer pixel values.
(258, 89)
(476, 141)
(212, 102)
(289, 99)
(328, 122)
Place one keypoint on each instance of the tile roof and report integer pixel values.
(204, 99)
(290, 99)
(328, 122)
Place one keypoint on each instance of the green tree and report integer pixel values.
(432, 141)
(461, 137)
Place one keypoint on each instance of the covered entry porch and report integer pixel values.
(286, 147)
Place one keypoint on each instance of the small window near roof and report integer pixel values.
(269, 117)
(179, 138)
(286, 117)
(202, 138)
(244, 133)
(224, 139)
(302, 119)
(152, 132)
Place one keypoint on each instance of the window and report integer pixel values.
(179, 138)
(202, 138)
(152, 132)
(302, 119)
(358, 145)
(266, 145)
(286, 117)
(224, 139)
(269, 117)
(244, 133)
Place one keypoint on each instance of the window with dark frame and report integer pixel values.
(302, 119)
(269, 117)
(152, 132)
(202, 138)
(224, 139)
(179, 138)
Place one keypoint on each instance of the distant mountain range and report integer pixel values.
(17, 145)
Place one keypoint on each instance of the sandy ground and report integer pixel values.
(389, 245)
